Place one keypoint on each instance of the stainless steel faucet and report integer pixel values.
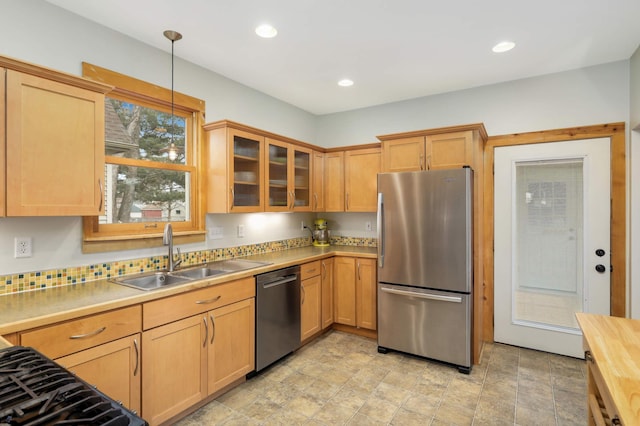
(167, 240)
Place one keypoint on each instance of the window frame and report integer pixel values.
(110, 237)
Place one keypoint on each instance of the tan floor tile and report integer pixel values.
(305, 404)
(284, 417)
(455, 414)
(260, 409)
(526, 416)
(421, 404)
(334, 414)
(350, 398)
(322, 389)
(379, 409)
(390, 393)
(495, 409)
(362, 420)
(237, 398)
(401, 380)
(410, 418)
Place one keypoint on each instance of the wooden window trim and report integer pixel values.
(129, 236)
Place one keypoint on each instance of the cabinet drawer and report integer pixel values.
(65, 338)
(195, 302)
(309, 270)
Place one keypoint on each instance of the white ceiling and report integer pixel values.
(392, 49)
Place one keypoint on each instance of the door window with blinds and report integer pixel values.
(548, 238)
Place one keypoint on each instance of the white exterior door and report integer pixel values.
(551, 239)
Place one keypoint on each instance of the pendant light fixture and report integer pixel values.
(173, 36)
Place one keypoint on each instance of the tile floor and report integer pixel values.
(341, 379)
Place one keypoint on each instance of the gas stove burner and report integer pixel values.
(36, 391)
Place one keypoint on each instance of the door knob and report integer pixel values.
(600, 268)
(600, 252)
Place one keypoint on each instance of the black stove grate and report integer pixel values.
(36, 391)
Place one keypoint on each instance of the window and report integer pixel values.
(146, 186)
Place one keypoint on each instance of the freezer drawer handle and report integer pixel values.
(453, 299)
(281, 281)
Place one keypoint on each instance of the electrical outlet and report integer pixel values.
(240, 231)
(302, 225)
(23, 247)
(367, 226)
(216, 233)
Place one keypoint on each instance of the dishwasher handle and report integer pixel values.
(283, 280)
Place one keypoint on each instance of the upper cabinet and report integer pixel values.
(351, 180)
(51, 141)
(442, 148)
(317, 196)
(288, 177)
(234, 169)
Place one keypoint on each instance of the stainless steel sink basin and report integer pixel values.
(152, 280)
(160, 279)
(199, 273)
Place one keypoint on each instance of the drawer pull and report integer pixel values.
(206, 302)
(310, 271)
(93, 333)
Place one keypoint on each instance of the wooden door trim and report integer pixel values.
(616, 133)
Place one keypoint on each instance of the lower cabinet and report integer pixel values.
(355, 292)
(114, 368)
(327, 292)
(311, 311)
(186, 360)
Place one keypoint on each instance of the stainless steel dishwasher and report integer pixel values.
(277, 315)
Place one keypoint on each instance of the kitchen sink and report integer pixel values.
(160, 279)
(199, 273)
(150, 281)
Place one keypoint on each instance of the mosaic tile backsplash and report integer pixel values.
(28, 281)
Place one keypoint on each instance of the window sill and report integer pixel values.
(131, 242)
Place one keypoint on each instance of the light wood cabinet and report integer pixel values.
(355, 292)
(318, 185)
(103, 349)
(361, 168)
(174, 368)
(195, 344)
(327, 281)
(234, 169)
(52, 142)
(114, 368)
(311, 308)
(334, 181)
(288, 176)
(231, 351)
(446, 148)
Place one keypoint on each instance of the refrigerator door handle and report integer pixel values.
(380, 220)
(454, 299)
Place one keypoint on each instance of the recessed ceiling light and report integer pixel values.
(266, 31)
(503, 46)
(345, 82)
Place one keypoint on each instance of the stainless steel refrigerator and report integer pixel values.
(425, 264)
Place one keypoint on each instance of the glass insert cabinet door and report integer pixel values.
(288, 176)
(247, 176)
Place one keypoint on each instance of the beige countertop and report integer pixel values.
(22, 311)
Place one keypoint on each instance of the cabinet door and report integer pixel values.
(361, 168)
(403, 155)
(310, 302)
(231, 353)
(246, 171)
(334, 181)
(54, 148)
(449, 150)
(327, 292)
(114, 368)
(277, 176)
(301, 178)
(174, 368)
(345, 291)
(3, 160)
(318, 182)
(366, 293)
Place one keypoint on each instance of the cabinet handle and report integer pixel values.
(588, 356)
(206, 331)
(137, 352)
(206, 302)
(324, 270)
(213, 328)
(303, 293)
(428, 162)
(347, 201)
(315, 197)
(358, 266)
(101, 194)
(421, 162)
(93, 333)
(233, 198)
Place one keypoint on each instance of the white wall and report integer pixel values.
(634, 183)
(594, 95)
